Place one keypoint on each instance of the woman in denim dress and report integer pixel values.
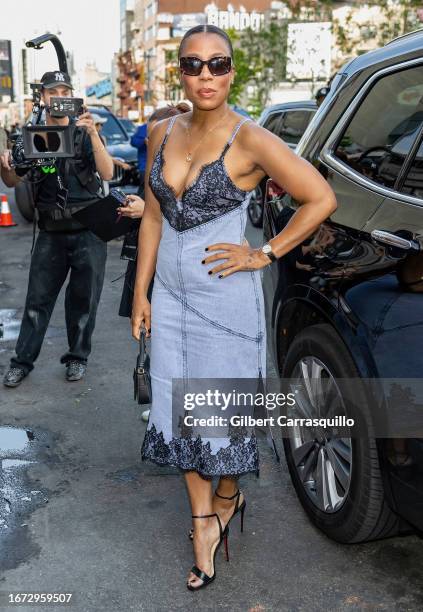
(206, 316)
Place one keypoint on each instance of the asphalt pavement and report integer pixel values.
(81, 514)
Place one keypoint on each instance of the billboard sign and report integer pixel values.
(231, 19)
(100, 89)
(185, 21)
(309, 51)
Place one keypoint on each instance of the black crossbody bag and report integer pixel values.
(142, 380)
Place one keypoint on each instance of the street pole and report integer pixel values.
(148, 76)
(147, 58)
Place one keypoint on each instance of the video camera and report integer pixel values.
(42, 143)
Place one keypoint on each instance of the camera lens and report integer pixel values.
(52, 144)
(53, 140)
(39, 143)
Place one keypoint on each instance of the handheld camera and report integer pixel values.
(41, 142)
(66, 107)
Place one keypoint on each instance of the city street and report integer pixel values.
(86, 517)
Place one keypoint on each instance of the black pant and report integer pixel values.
(54, 254)
(125, 308)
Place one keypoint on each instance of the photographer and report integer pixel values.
(61, 186)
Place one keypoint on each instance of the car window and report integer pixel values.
(112, 131)
(383, 129)
(129, 126)
(294, 124)
(272, 123)
(413, 182)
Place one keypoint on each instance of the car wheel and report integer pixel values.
(338, 480)
(255, 206)
(24, 200)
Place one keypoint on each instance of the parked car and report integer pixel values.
(348, 302)
(119, 147)
(288, 121)
(129, 126)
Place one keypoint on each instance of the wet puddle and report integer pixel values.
(10, 325)
(13, 439)
(19, 450)
(7, 464)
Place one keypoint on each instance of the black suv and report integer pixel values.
(348, 302)
(288, 121)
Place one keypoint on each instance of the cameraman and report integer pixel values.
(62, 186)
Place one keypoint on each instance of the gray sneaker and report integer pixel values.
(14, 377)
(75, 370)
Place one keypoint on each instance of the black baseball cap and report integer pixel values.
(53, 79)
(322, 92)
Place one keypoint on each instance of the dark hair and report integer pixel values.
(169, 111)
(206, 29)
(183, 107)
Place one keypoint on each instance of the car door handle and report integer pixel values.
(395, 241)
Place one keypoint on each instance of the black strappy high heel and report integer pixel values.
(238, 508)
(223, 537)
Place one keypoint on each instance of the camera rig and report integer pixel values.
(42, 144)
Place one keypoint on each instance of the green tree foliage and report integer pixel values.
(397, 17)
(400, 18)
(260, 63)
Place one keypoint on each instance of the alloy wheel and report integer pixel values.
(255, 206)
(323, 462)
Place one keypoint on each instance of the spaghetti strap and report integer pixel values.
(237, 128)
(234, 133)
(169, 129)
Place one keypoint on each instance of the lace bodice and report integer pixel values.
(210, 195)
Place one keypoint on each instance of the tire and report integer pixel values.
(256, 205)
(363, 514)
(24, 200)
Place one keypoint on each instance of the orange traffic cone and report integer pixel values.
(6, 219)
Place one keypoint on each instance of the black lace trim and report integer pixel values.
(189, 453)
(211, 195)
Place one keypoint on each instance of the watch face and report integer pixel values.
(266, 248)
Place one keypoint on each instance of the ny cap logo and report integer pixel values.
(59, 76)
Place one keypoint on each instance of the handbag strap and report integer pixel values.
(142, 348)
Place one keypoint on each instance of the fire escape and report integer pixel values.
(131, 84)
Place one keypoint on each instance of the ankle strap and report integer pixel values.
(237, 494)
(197, 516)
(203, 515)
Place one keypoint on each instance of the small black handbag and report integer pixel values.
(142, 381)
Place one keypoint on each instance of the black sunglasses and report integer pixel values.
(193, 66)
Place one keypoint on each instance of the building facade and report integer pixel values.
(150, 67)
(320, 38)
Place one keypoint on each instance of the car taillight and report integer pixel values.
(273, 190)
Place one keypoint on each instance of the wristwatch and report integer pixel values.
(267, 250)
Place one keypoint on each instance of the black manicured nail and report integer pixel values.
(210, 272)
(220, 275)
(206, 249)
(204, 261)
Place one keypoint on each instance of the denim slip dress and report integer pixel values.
(201, 326)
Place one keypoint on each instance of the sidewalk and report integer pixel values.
(114, 530)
